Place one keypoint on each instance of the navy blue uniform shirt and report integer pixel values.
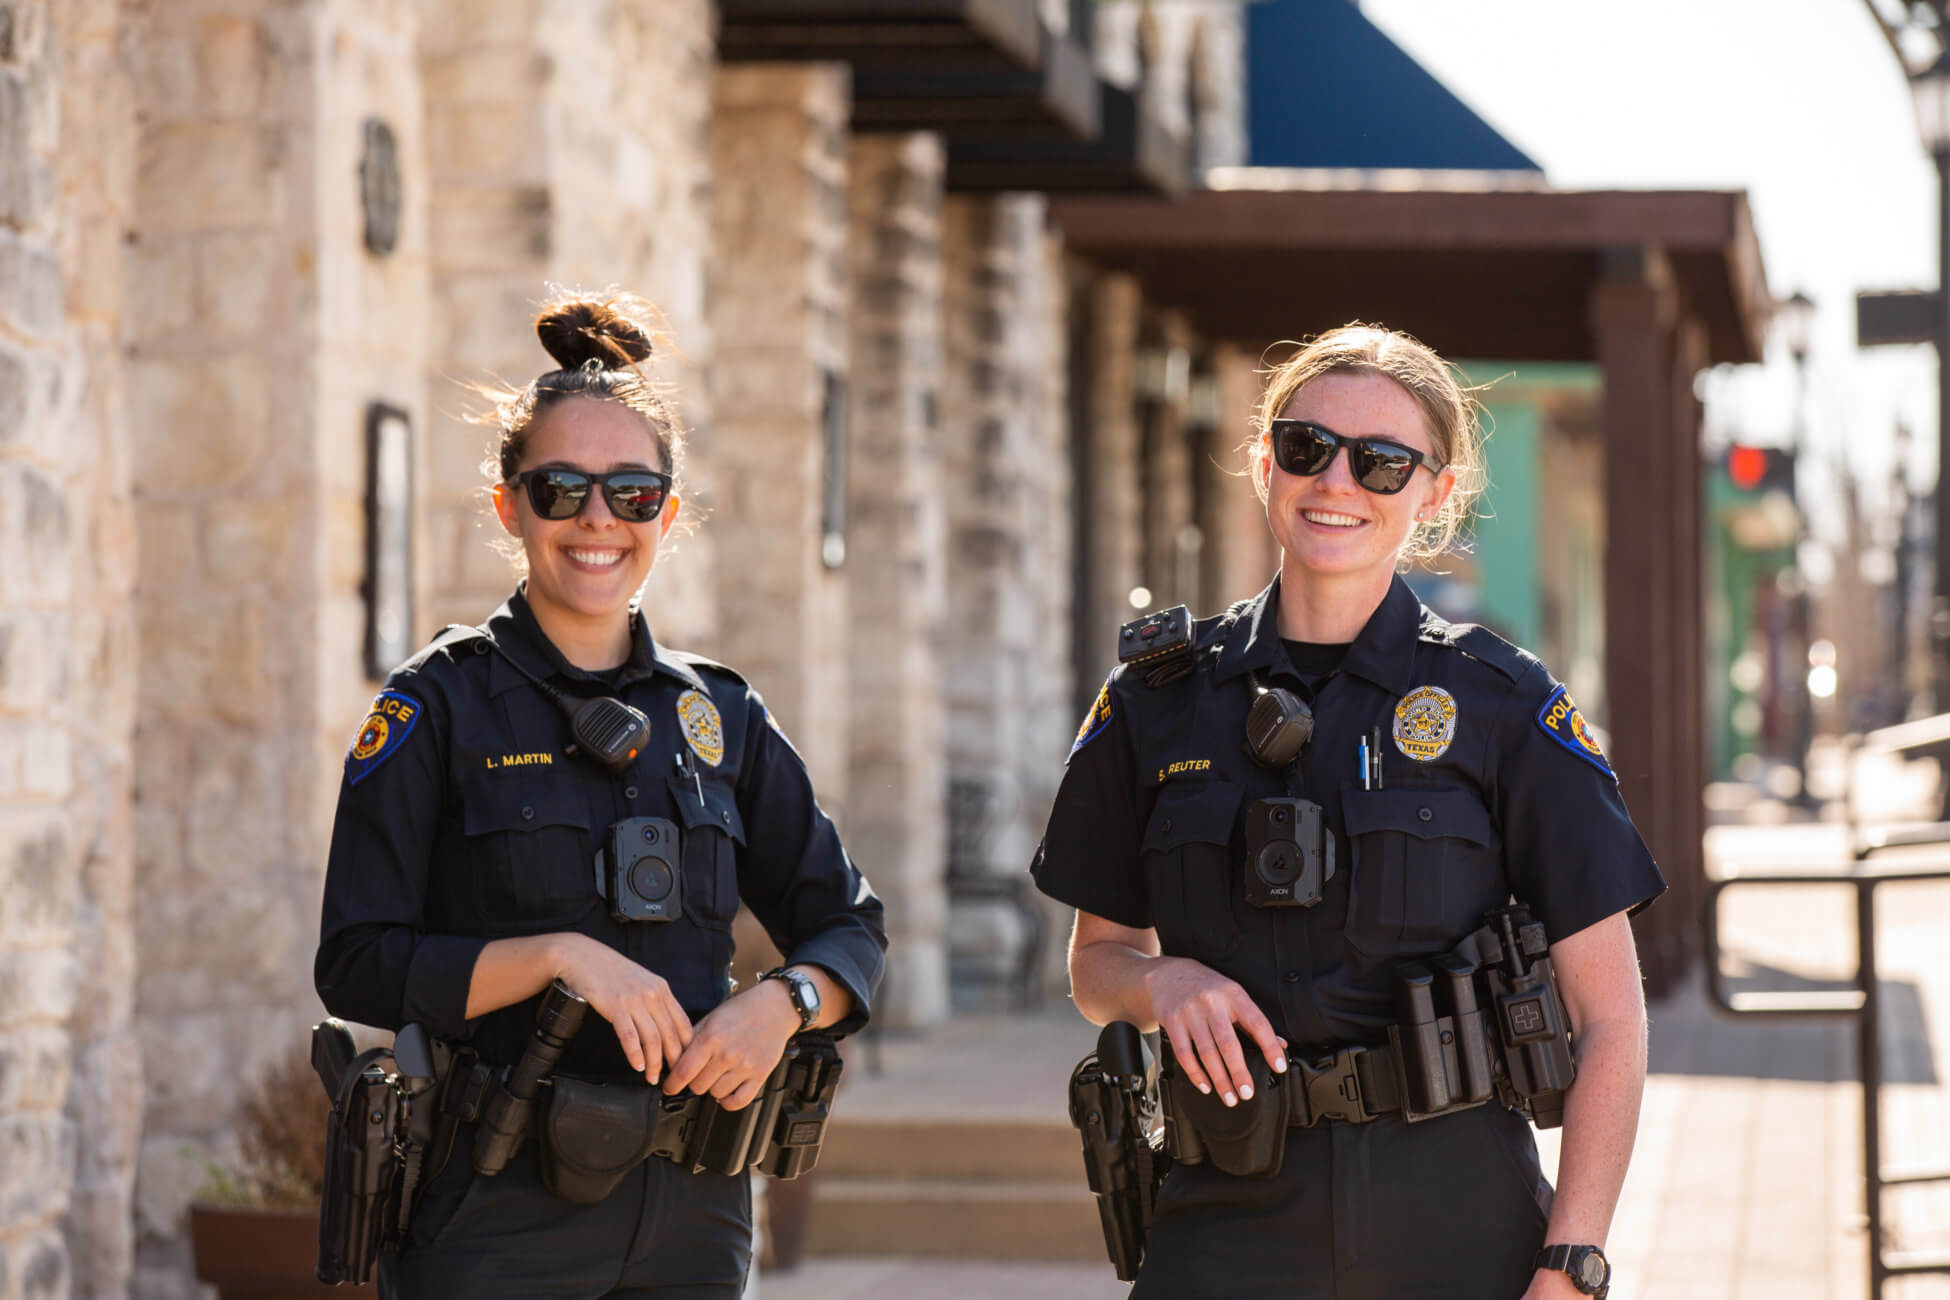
(461, 820)
(1490, 787)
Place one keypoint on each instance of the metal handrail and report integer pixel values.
(1860, 1003)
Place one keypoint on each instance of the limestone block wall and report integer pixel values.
(1190, 56)
(779, 301)
(897, 580)
(259, 327)
(567, 146)
(70, 1082)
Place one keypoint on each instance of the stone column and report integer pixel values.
(1115, 531)
(1631, 313)
(70, 1080)
(779, 157)
(994, 259)
(897, 581)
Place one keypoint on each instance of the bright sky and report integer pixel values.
(1799, 102)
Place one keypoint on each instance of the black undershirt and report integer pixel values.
(1314, 662)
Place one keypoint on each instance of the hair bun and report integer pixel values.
(609, 331)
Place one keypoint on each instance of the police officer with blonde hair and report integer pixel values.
(1287, 831)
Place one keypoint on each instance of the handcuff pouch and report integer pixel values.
(592, 1134)
(1247, 1140)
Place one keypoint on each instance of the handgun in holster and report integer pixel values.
(1114, 1105)
(382, 1127)
(1530, 1017)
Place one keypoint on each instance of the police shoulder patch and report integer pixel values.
(1094, 721)
(1561, 721)
(390, 722)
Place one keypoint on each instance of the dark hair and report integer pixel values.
(597, 343)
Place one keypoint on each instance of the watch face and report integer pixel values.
(1593, 1271)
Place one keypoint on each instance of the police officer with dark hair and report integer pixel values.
(557, 797)
(1258, 889)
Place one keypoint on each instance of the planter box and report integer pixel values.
(262, 1254)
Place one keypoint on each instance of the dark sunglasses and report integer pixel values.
(1382, 467)
(635, 496)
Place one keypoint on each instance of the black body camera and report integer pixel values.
(1289, 853)
(640, 870)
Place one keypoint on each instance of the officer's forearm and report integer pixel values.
(1601, 1119)
(513, 970)
(1107, 982)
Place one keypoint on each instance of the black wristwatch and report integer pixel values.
(1589, 1270)
(804, 993)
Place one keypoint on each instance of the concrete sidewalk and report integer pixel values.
(1746, 1182)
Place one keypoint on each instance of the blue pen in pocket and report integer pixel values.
(1365, 769)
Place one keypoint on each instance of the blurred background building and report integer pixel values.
(967, 300)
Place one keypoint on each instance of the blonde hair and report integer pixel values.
(1450, 412)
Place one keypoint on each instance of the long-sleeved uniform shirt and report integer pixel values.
(463, 819)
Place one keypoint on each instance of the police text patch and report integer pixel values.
(385, 729)
(1094, 721)
(1563, 723)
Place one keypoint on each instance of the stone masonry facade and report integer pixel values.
(887, 388)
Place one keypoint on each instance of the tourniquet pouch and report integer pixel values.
(1247, 1140)
(594, 1133)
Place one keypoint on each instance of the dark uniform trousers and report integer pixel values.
(664, 1232)
(1330, 1225)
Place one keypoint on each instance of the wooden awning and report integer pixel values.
(1497, 268)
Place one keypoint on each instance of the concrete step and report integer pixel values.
(965, 1219)
(931, 1148)
(953, 1188)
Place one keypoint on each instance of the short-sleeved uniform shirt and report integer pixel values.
(463, 818)
(1489, 787)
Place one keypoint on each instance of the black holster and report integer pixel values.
(1114, 1105)
(377, 1143)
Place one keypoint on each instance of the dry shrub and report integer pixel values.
(281, 1141)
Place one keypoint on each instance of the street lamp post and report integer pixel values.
(1794, 318)
(1930, 95)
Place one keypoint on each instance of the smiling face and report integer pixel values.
(584, 570)
(1328, 526)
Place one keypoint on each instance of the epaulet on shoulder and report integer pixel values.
(1158, 646)
(1481, 644)
(704, 661)
(452, 635)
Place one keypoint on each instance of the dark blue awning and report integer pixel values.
(1329, 89)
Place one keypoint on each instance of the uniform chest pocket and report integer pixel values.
(534, 853)
(1190, 873)
(1426, 866)
(713, 834)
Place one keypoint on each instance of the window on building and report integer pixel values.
(388, 586)
(832, 514)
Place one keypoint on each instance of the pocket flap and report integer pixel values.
(512, 805)
(1202, 816)
(718, 809)
(1426, 814)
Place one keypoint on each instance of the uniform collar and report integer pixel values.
(1384, 653)
(520, 637)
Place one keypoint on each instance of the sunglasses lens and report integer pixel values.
(557, 493)
(1382, 466)
(639, 498)
(1301, 448)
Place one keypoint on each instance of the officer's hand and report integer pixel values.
(638, 1003)
(1197, 1008)
(737, 1046)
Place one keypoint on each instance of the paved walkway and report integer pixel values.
(1747, 1176)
